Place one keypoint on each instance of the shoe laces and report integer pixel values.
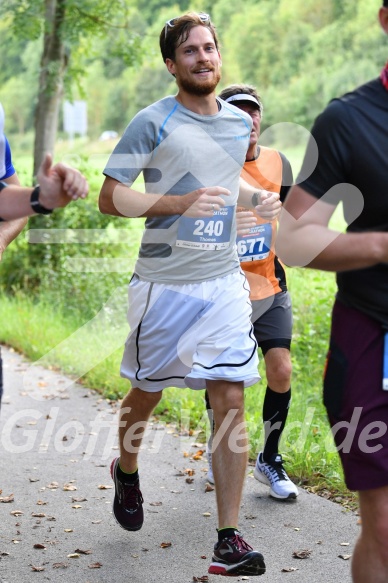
(275, 471)
(239, 543)
(132, 496)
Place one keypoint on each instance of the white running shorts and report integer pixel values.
(183, 335)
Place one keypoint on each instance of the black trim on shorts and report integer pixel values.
(266, 345)
(153, 380)
(137, 344)
(251, 335)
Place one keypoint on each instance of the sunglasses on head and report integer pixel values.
(171, 23)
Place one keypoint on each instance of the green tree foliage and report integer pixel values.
(299, 53)
(68, 28)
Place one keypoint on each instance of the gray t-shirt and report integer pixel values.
(179, 151)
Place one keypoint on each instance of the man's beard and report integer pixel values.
(200, 88)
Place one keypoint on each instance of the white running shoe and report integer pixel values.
(274, 475)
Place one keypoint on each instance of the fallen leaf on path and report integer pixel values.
(69, 487)
(67, 530)
(209, 488)
(34, 479)
(102, 487)
(6, 499)
(82, 552)
(53, 485)
(17, 512)
(344, 544)
(76, 506)
(39, 546)
(96, 521)
(165, 545)
(79, 499)
(189, 472)
(189, 480)
(344, 557)
(41, 503)
(203, 578)
(4, 554)
(60, 565)
(156, 503)
(38, 514)
(288, 569)
(95, 566)
(73, 556)
(303, 554)
(36, 568)
(206, 514)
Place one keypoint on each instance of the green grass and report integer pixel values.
(93, 351)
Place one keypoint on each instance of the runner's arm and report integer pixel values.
(119, 200)
(305, 239)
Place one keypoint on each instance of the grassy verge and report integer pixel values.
(92, 352)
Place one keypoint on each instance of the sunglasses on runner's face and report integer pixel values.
(171, 23)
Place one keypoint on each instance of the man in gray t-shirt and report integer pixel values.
(189, 309)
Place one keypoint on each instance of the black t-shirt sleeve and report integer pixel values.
(330, 136)
(287, 177)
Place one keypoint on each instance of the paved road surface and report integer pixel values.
(57, 441)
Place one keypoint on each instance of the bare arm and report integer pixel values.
(121, 201)
(304, 238)
(59, 185)
(9, 230)
(269, 204)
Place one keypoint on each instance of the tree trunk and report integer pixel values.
(52, 70)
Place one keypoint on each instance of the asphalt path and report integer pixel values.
(57, 440)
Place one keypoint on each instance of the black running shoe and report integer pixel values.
(233, 557)
(128, 501)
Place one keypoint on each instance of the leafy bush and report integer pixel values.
(76, 272)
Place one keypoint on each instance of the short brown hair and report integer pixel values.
(238, 89)
(177, 30)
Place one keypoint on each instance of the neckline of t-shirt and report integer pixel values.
(201, 115)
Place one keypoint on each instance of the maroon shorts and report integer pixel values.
(356, 404)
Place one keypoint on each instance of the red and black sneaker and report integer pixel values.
(128, 501)
(233, 557)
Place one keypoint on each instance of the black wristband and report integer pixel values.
(35, 204)
(255, 199)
